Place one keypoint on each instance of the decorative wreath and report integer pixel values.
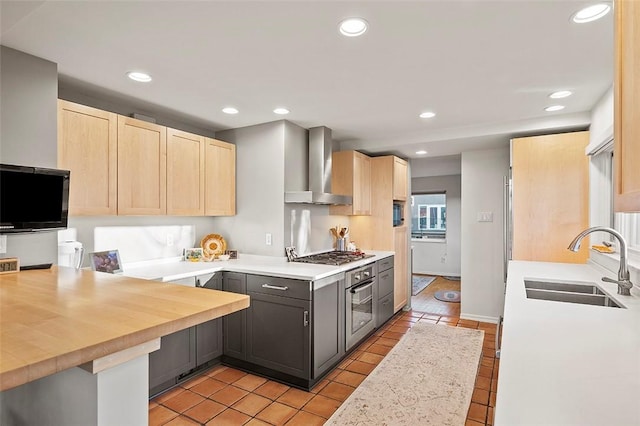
(213, 245)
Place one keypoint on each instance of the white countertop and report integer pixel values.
(252, 264)
(566, 363)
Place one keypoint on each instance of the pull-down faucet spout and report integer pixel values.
(623, 281)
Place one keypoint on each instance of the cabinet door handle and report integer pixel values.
(275, 287)
(305, 320)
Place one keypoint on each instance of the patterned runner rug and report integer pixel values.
(420, 282)
(426, 379)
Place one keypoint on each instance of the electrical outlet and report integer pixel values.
(169, 240)
(3, 244)
(267, 239)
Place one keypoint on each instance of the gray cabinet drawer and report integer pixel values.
(385, 283)
(385, 264)
(284, 287)
(385, 310)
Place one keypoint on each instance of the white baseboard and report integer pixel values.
(481, 318)
(442, 274)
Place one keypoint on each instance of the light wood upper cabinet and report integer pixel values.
(87, 145)
(627, 106)
(400, 177)
(220, 178)
(550, 176)
(351, 175)
(185, 173)
(142, 167)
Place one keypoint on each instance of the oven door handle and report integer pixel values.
(362, 287)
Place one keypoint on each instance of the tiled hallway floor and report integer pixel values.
(227, 396)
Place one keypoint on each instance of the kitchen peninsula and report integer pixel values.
(74, 345)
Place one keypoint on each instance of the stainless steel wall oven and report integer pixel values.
(360, 306)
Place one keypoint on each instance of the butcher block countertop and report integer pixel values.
(55, 319)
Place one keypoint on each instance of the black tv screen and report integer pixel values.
(33, 198)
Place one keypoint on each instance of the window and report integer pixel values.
(428, 215)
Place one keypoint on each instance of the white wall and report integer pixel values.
(435, 257)
(435, 166)
(482, 262)
(28, 136)
(601, 127)
(259, 189)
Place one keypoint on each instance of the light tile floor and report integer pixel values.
(227, 396)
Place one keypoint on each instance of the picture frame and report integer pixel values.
(194, 254)
(106, 261)
(233, 254)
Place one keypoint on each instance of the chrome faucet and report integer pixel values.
(623, 281)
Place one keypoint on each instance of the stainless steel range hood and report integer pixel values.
(320, 149)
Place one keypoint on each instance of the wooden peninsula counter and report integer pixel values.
(54, 320)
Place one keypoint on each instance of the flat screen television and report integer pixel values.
(33, 198)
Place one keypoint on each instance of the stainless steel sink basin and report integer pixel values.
(569, 292)
(586, 288)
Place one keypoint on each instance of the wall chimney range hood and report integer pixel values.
(320, 149)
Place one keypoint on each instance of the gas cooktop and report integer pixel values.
(333, 257)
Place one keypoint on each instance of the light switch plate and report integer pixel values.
(485, 216)
(3, 244)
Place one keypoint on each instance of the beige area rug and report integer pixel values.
(426, 379)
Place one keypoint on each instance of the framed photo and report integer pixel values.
(106, 261)
(233, 254)
(193, 254)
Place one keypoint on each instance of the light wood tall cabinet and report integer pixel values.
(124, 166)
(185, 173)
(220, 178)
(550, 176)
(88, 146)
(351, 175)
(376, 231)
(627, 106)
(142, 167)
(401, 275)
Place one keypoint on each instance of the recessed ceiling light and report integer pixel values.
(560, 94)
(591, 13)
(281, 111)
(353, 27)
(428, 114)
(421, 152)
(554, 108)
(142, 77)
(230, 110)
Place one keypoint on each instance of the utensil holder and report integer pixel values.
(340, 244)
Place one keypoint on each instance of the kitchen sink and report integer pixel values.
(586, 288)
(569, 292)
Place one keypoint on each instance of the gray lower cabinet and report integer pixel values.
(292, 331)
(176, 356)
(185, 350)
(385, 290)
(235, 325)
(278, 334)
(209, 334)
(328, 325)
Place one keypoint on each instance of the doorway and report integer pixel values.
(426, 301)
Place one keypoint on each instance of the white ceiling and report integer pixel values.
(485, 67)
